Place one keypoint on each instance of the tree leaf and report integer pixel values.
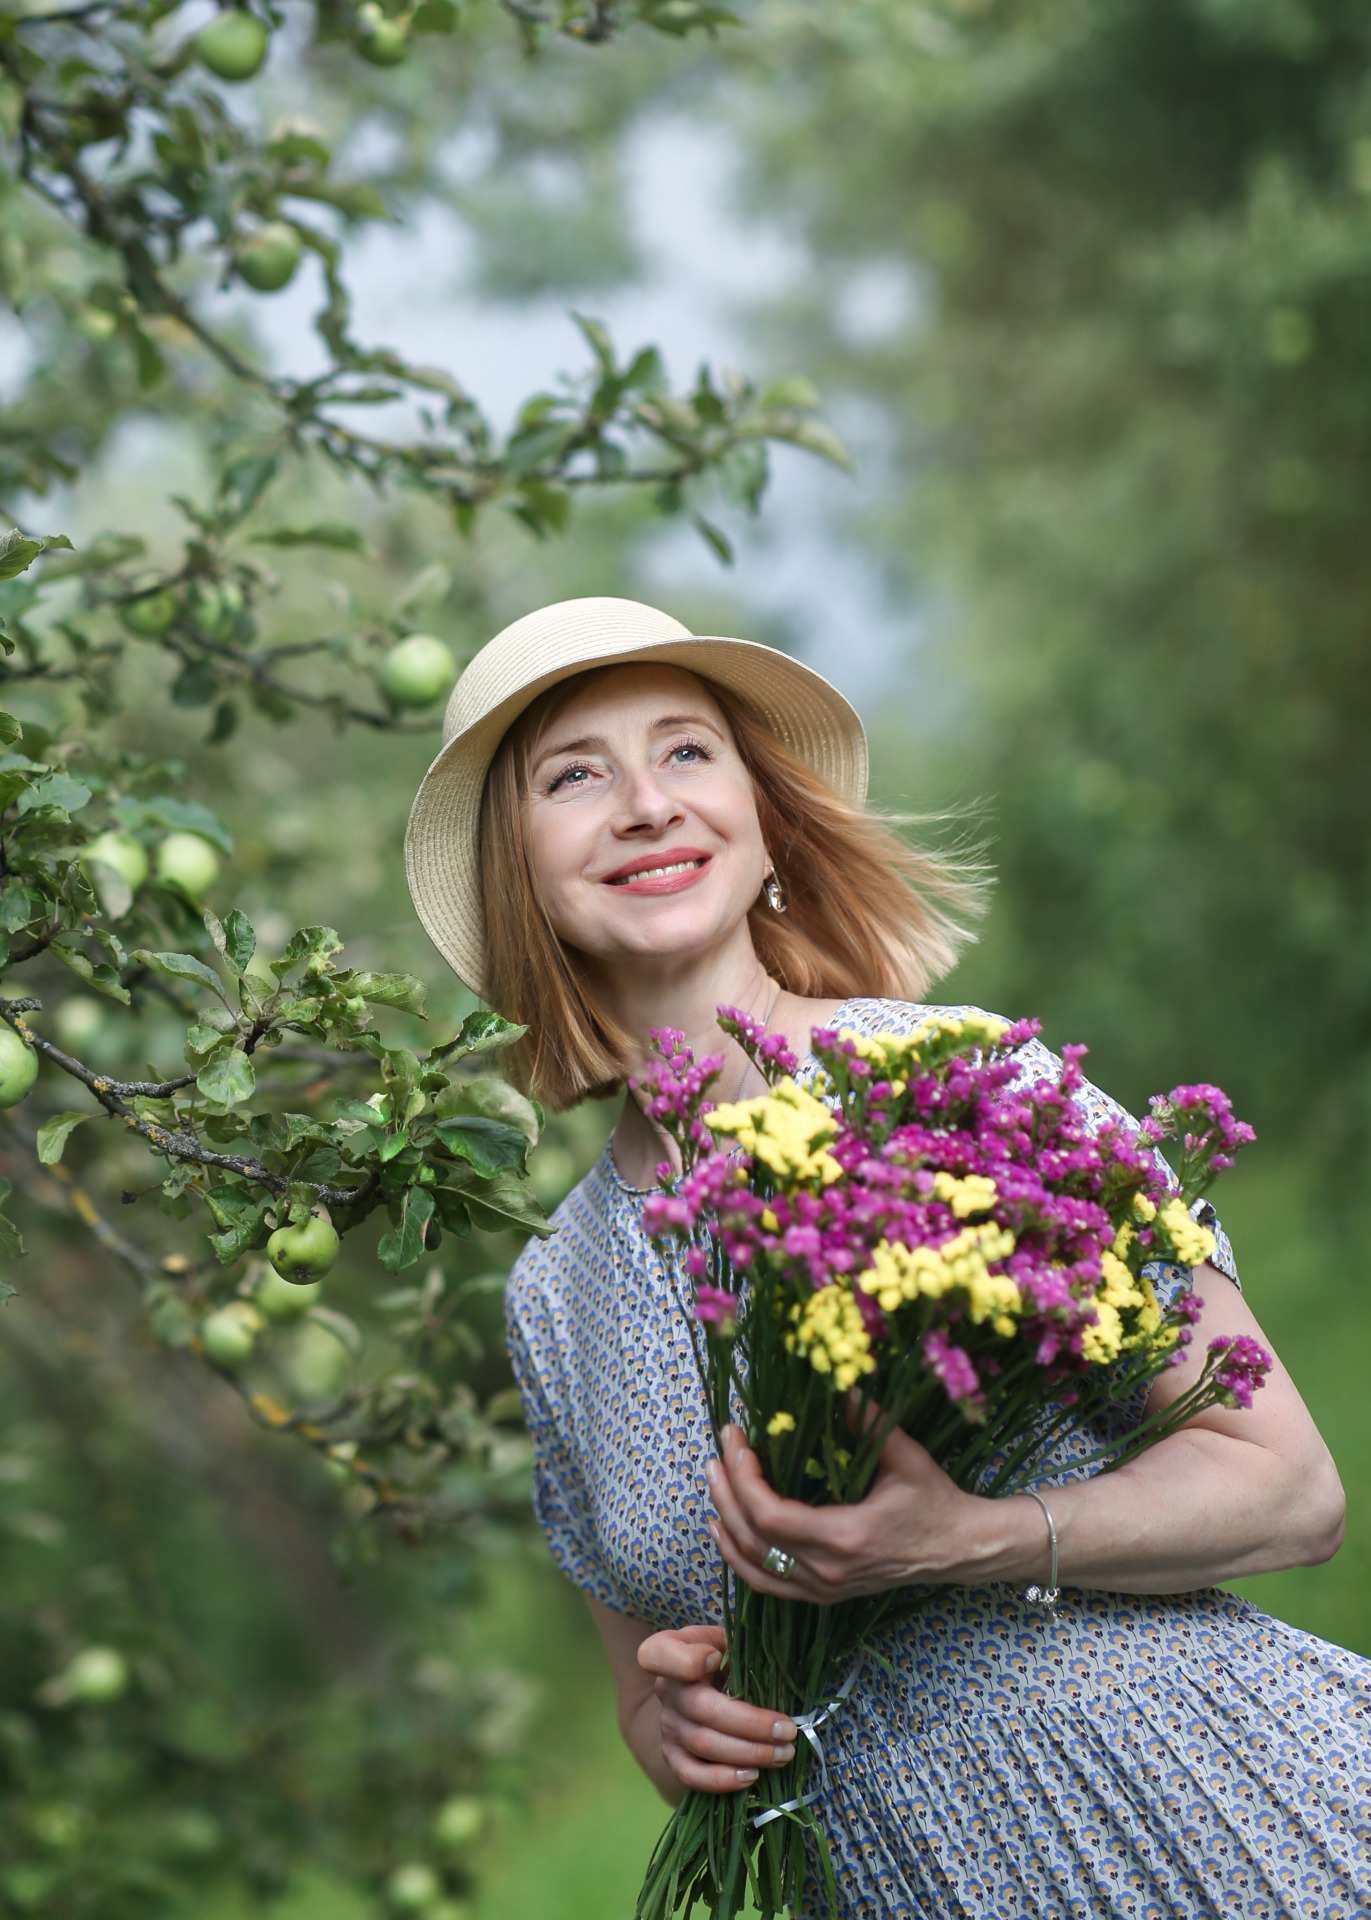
(10, 729)
(816, 437)
(325, 533)
(506, 1201)
(227, 1076)
(11, 1240)
(402, 990)
(481, 1032)
(103, 978)
(490, 1146)
(186, 816)
(306, 940)
(54, 1134)
(234, 938)
(18, 551)
(55, 790)
(403, 1247)
(181, 966)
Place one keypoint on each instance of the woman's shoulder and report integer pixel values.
(872, 1016)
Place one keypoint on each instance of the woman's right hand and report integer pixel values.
(710, 1742)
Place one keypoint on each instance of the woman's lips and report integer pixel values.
(667, 875)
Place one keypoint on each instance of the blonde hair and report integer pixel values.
(867, 912)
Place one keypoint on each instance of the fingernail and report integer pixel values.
(711, 1469)
(783, 1755)
(747, 1775)
(783, 1730)
(713, 1661)
(713, 1526)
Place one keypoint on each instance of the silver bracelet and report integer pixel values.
(1048, 1596)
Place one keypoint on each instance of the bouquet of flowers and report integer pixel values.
(922, 1236)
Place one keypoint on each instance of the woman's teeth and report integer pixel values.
(657, 873)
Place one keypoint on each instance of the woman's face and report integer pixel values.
(642, 820)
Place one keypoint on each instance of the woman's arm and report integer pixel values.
(679, 1727)
(1232, 1493)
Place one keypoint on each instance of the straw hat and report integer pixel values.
(442, 854)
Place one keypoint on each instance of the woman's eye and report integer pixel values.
(569, 777)
(688, 752)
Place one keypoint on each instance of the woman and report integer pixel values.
(628, 828)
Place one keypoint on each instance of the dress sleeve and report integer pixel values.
(560, 1499)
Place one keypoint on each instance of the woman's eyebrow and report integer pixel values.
(595, 742)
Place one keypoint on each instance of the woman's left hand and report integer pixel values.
(913, 1527)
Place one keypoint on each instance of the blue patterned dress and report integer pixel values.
(1140, 1757)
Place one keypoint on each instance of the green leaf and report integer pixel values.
(234, 939)
(186, 816)
(10, 729)
(54, 1134)
(242, 1218)
(325, 533)
(717, 540)
(505, 1201)
(490, 1146)
(400, 990)
(181, 966)
(403, 1247)
(815, 437)
(103, 978)
(481, 1032)
(227, 1076)
(11, 1240)
(597, 334)
(56, 790)
(18, 551)
(305, 941)
(792, 394)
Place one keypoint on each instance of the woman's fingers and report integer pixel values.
(682, 1728)
(684, 1653)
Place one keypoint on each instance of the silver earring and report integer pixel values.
(775, 894)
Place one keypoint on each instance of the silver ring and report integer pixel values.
(779, 1563)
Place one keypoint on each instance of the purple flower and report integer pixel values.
(1243, 1364)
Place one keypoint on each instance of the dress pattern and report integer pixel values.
(1147, 1757)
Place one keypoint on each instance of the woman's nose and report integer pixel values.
(645, 803)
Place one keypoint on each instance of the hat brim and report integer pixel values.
(442, 842)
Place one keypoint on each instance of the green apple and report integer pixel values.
(379, 39)
(127, 856)
(154, 612)
(413, 1887)
(269, 259)
(417, 672)
(458, 1821)
(78, 1019)
(281, 1299)
(96, 1677)
(233, 46)
(304, 1253)
(230, 1333)
(18, 1066)
(187, 861)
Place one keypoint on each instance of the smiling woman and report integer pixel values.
(629, 828)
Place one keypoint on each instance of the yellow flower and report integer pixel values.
(1120, 1288)
(833, 1337)
(1102, 1343)
(1193, 1243)
(787, 1130)
(769, 1221)
(780, 1423)
(977, 1193)
(1124, 1239)
(898, 1273)
(1145, 1209)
